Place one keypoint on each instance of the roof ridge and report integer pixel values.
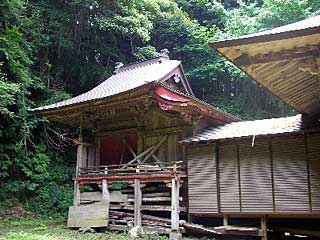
(158, 59)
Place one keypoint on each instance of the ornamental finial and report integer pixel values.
(164, 53)
(117, 67)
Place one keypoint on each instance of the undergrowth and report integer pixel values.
(35, 228)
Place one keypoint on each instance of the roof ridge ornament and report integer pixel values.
(164, 53)
(117, 67)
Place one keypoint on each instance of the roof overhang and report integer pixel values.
(172, 100)
(98, 110)
(135, 102)
(286, 61)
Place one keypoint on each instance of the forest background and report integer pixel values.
(51, 50)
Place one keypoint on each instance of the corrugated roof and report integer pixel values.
(309, 23)
(249, 128)
(127, 78)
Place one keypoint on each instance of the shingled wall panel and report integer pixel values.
(290, 175)
(202, 179)
(255, 177)
(229, 185)
(313, 152)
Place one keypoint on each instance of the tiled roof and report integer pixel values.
(127, 78)
(249, 128)
(309, 23)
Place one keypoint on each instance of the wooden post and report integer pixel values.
(105, 192)
(76, 190)
(264, 228)
(175, 231)
(137, 201)
(225, 220)
(76, 194)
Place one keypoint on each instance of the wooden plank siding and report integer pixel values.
(313, 154)
(229, 184)
(290, 175)
(255, 175)
(275, 176)
(170, 150)
(202, 179)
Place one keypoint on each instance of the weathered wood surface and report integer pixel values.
(275, 177)
(90, 197)
(118, 197)
(115, 197)
(238, 230)
(145, 207)
(137, 203)
(202, 179)
(86, 216)
(159, 230)
(175, 210)
(127, 169)
(289, 68)
(155, 199)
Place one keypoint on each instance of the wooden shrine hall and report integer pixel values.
(134, 164)
(158, 154)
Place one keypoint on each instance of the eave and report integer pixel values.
(169, 99)
(285, 63)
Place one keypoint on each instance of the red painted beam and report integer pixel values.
(151, 176)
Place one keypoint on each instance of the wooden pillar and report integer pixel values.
(225, 220)
(105, 192)
(80, 151)
(137, 203)
(175, 230)
(76, 190)
(76, 194)
(264, 228)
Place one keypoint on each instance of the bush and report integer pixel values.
(52, 200)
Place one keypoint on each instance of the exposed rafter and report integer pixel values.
(307, 53)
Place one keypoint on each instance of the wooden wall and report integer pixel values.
(278, 176)
(170, 150)
(202, 183)
(156, 126)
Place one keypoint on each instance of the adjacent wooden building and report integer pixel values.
(257, 168)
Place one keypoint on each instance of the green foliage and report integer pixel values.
(143, 53)
(39, 229)
(52, 200)
(8, 92)
(119, 185)
(52, 50)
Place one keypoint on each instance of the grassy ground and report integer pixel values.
(37, 229)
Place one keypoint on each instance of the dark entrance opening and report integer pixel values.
(114, 149)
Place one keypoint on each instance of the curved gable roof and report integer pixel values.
(127, 78)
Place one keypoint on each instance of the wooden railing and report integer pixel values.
(127, 169)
